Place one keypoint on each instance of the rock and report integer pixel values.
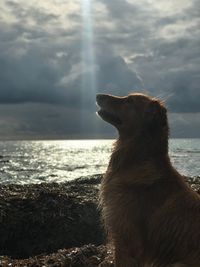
(194, 182)
(43, 218)
(86, 256)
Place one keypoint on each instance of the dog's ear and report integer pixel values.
(156, 114)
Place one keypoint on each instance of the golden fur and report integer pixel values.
(150, 214)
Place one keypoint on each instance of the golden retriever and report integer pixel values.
(151, 215)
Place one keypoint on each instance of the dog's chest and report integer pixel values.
(120, 209)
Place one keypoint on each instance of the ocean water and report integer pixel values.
(23, 162)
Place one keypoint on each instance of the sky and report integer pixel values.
(56, 55)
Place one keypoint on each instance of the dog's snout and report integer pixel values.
(101, 98)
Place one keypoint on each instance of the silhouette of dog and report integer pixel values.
(151, 215)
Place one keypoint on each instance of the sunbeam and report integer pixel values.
(89, 65)
(88, 52)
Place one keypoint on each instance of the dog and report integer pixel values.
(151, 216)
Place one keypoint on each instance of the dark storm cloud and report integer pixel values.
(37, 75)
(31, 78)
(33, 120)
(137, 47)
(168, 61)
(23, 13)
(33, 65)
(176, 65)
(46, 121)
(113, 76)
(184, 125)
(120, 9)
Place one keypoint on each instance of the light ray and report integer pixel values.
(88, 53)
(89, 65)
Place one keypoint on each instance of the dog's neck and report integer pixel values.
(135, 151)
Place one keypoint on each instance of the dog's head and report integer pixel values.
(133, 114)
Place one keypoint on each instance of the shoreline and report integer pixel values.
(54, 224)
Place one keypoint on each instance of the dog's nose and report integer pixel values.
(101, 98)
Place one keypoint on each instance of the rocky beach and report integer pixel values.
(55, 224)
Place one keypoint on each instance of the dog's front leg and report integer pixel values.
(123, 259)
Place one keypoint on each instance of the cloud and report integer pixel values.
(47, 53)
(161, 47)
(47, 121)
(35, 68)
(184, 125)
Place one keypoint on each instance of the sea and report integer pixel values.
(24, 162)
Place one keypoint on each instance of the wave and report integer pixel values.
(187, 151)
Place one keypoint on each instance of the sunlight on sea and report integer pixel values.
(58, 161)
